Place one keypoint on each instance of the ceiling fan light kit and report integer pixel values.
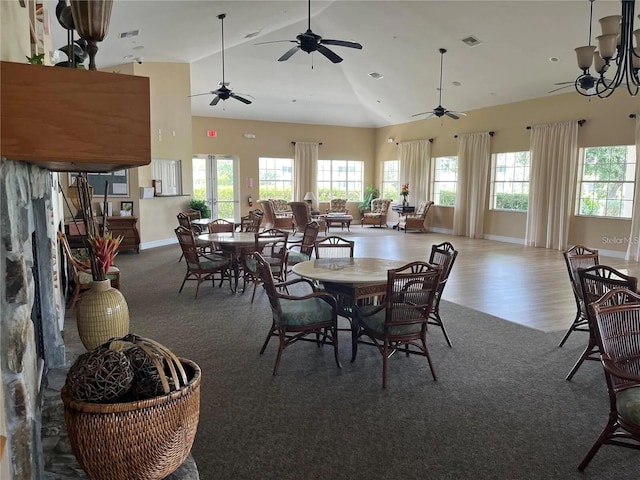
(440, 111)
(615, 51)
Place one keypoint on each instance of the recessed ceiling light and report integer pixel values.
(376, 75)
(554, 59)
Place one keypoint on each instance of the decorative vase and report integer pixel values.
(91, 19)
(404, 201)
(102, 313)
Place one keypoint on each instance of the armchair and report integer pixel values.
(378, 214)
(295, 317)
(415, 221)
(338, 205)
(271, 220)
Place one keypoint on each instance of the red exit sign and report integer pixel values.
(212, 133)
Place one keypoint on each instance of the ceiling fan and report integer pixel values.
(223, 92)
(310, 42)
(440, 111)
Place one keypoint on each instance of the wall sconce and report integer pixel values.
(390, 140)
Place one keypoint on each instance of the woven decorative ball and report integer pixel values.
(100, 376)
(146, 379)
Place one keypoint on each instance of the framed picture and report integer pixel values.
(157, 187)
(117, 183)
(126, 209)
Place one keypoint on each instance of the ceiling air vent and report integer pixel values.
(376, 75)
(129, 34)
(471, 41)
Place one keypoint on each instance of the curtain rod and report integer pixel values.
(580, 122)
(430, 141)
(293, 143)
(492, 133)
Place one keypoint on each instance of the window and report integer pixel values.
(169, 172)
(444, 181)
(275, 178)
(340, 179)
(511, 181)
(390, 182)
(606, 182)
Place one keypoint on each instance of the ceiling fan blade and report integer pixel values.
(329, 54)
(423, 113)
(276, 41)
(341, 43)
(556, 89)
(452, 115)
(200, 94)
(215, 101)
(565, 83)
(289, 53)
(237, 97)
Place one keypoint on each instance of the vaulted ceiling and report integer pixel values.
(525, 47)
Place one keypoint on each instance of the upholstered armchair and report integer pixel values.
(378, 214)
(280, 206)
(417, 220)
(271, 220)
(338, 205)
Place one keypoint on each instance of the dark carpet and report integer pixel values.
(500, 409)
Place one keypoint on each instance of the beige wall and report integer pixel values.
(274, 140)
(608, 123)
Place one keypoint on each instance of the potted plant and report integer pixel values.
(370, 193)
(201, 206)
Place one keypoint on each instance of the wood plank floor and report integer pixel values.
(525, 285)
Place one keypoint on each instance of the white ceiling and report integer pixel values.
(400, 40)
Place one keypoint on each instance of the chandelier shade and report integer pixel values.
(91, 19)
(617, 54)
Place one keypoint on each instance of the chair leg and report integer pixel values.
(334, 334)
(591, 348)
(604, 435)
(74, 297)
(281, 348)
(269, 335)
(437, 320)
(576, 321)
(385, 363)
(183, 282)
(426, 354)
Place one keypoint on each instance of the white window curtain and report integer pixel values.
(633, 250)
(552, 184)
(415, 169)
(305, 170)
(474, 162)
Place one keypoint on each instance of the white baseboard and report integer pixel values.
(500, 238)
(158, 243)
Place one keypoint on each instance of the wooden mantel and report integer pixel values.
(74, 120)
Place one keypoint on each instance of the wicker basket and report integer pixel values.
(139, 440)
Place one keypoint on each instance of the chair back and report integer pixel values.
(597, 280)
(76, 266)
(444, 255)
(309, 238)
(220, 225)
(266, 277)
(301, 213)
(251, 222)
(184, 220)
(334, 247)
(338, 205)
(423, 209)
(410, 293)
(269, 213)
(577, 257)
(617, 317)
(380, 205)
(187, 242)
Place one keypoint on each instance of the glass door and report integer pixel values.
(215, 180)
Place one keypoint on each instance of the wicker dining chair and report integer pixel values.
(445, 255)
(251, 222)
(293, 317)
(201, 266)
(302, 250)
(577, 257)
(399, 323)
(594, 283)
(184, 220)
(272, 244)
(617, 322)
(334, 247)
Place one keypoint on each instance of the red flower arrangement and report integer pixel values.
(104, 249)
(404, 191)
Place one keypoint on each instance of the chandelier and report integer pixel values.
(615, 54)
